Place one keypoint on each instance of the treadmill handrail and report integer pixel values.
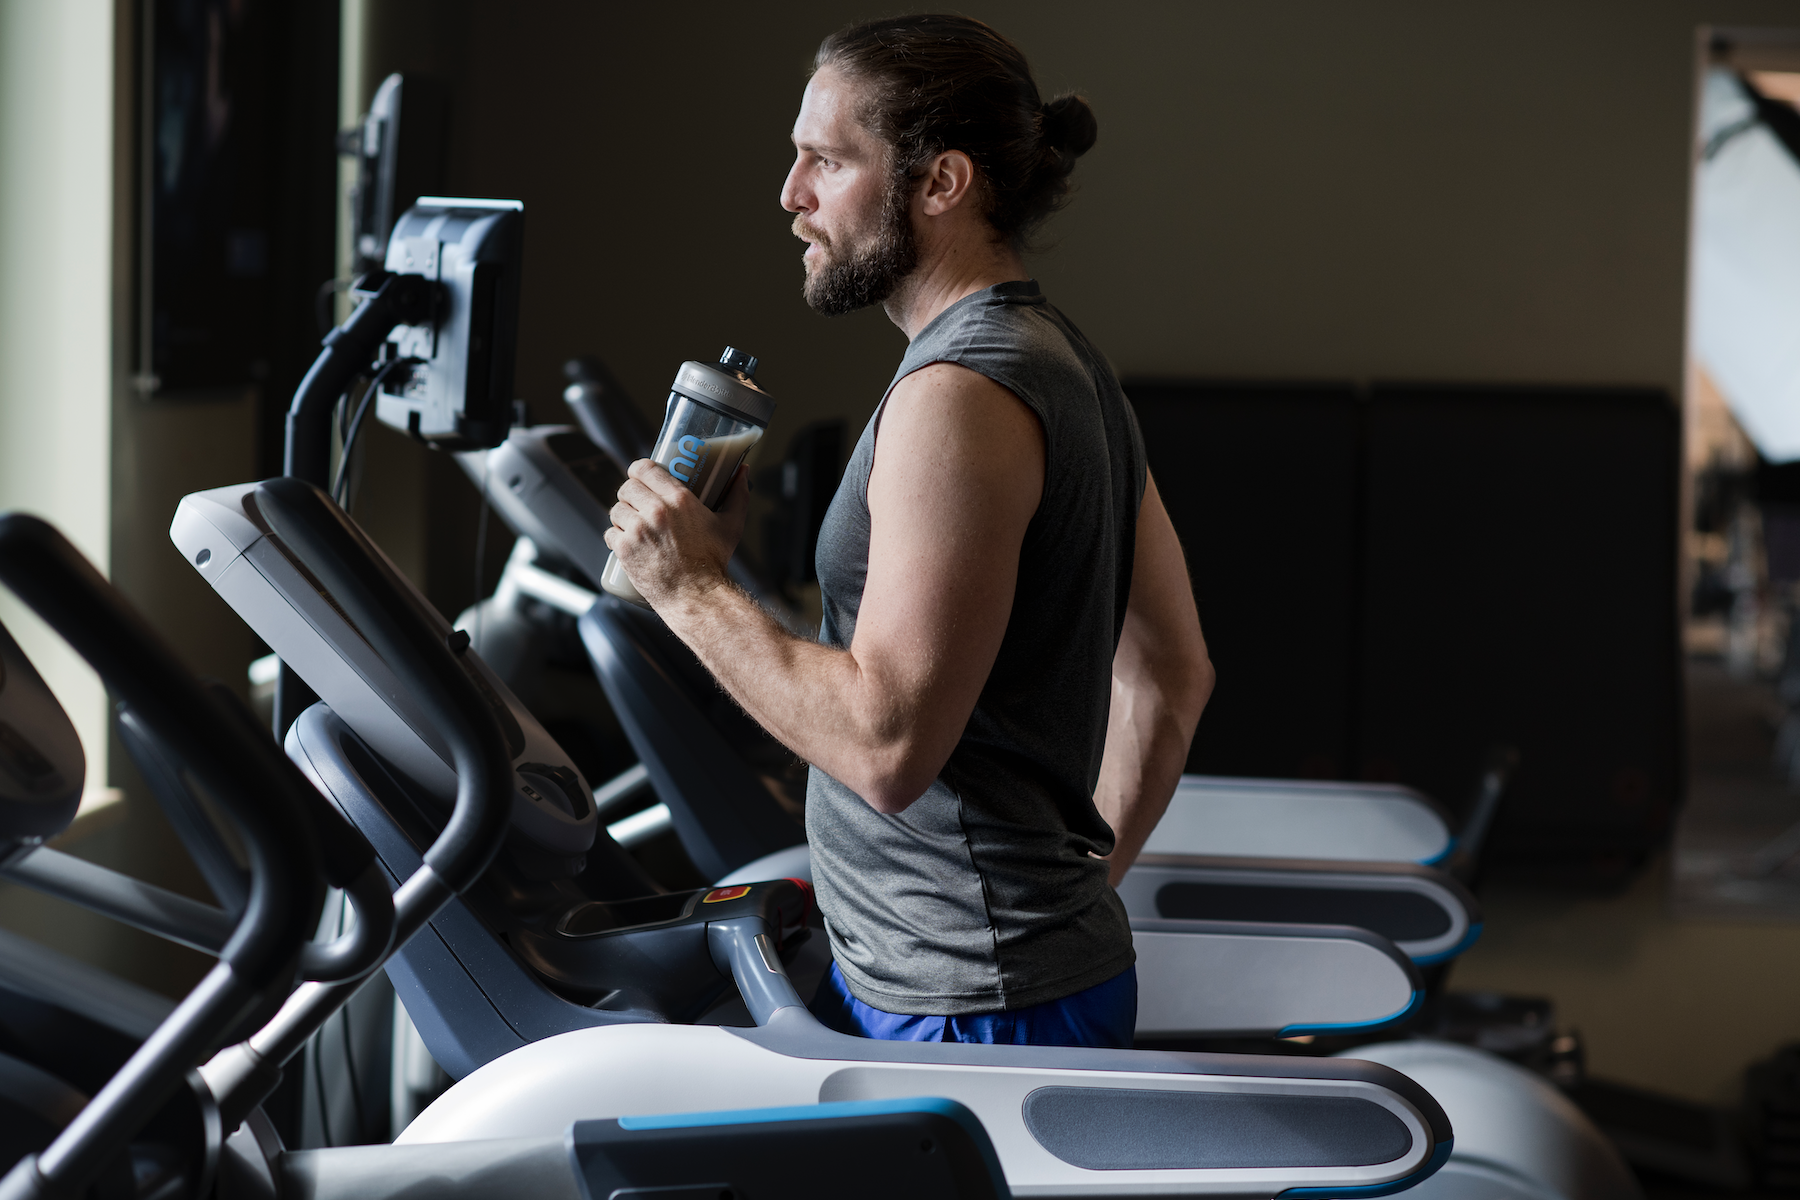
(319, 532)
(381, 607)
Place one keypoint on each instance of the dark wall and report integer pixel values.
(1261, 482)
(1520, 587)
(1284, 190)
(1393, 582)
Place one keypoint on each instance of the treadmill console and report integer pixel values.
(452, 387)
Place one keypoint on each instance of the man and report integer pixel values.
(1011, 667)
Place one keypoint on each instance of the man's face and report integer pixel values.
(852, 212)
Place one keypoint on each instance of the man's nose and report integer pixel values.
(795, 197)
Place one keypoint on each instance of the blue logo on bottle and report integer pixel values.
(687, 457)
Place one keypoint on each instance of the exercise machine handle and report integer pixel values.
(347, 858)
(606, 414)
(251, 780)
(349, 863)
(349, 349)
(426, 665)
(1497, 768)
(382, 609)
(742, 947)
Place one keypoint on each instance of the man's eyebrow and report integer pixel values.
(828, 151)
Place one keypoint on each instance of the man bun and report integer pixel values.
(1069, 125)
(938, 82)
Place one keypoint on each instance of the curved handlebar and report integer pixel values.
(382, 611)
(743, 949)
(244, 773)
(349, 863)
(401, 300)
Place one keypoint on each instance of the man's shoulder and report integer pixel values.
(946, 395)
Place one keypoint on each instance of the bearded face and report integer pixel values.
(862, 264)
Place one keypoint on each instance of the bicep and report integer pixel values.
(958, 474)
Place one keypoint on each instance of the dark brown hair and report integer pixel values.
(940, 83)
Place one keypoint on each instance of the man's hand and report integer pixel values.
(673, 547)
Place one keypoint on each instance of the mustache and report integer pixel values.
(810, 233)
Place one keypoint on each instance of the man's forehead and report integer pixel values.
(827, 119)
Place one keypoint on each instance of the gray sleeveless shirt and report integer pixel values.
(984, 894)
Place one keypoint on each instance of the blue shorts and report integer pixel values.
(1104, 1015)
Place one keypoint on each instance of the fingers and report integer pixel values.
(638, 500)
(656, 477)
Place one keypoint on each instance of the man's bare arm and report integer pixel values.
(1162, 678)
(957, 477)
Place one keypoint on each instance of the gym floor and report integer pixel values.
(1672, 989)
(1685, 978)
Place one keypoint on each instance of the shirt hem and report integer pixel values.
(964, 1004)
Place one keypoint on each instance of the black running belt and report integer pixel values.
(1396, 914)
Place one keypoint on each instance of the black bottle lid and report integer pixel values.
(737, 360)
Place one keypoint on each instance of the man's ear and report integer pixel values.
(949, 180)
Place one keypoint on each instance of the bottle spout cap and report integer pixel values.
(736, 360)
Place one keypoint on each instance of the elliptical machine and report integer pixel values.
(291, 843)
(130, 1141)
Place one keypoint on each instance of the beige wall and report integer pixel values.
(1493, 191)
(56, 179)
(1300, 189)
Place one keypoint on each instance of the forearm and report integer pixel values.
(1148, 734)
(816, 700)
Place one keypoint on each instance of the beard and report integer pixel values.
(870, 264)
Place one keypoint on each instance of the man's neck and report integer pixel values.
(947, 273)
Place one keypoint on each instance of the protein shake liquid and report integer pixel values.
(715, 414)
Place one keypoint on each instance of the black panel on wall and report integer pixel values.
(238, 179)
(1260, 483)
(210, 190)
(1520, 586)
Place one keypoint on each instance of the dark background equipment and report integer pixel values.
(400, 149)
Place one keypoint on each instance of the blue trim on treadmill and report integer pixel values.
(1446, 852)
(830, 1110)
(1469, 939)
(1439, 1156)
(1411, 1007)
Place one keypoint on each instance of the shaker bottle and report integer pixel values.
(715, 414)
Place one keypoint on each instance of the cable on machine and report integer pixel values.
(340, 482)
